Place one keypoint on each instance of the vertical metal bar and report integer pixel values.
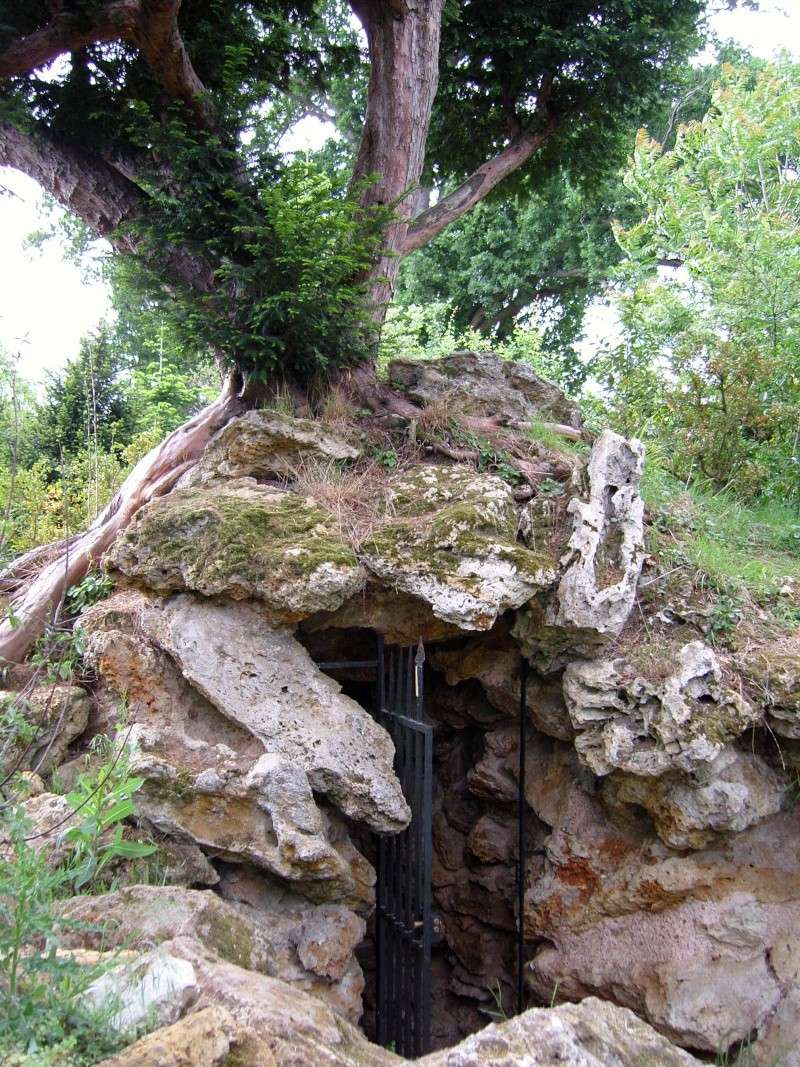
(427, 919)
(521, 812)
(380, 868)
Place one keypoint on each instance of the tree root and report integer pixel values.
(67, 562)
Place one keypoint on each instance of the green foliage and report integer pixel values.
(59, 652)
(276, 248)
(709, 364)
(95, 586)
(42, 1018)
(103, 799)
(286, 300)
(738, 550)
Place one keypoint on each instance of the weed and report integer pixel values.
(95, 586)
(498, 1012)
(555, 442)
(386, 457)
(726, 614)
(103, 799)
(59, 652)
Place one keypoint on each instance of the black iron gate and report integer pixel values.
(403, 921)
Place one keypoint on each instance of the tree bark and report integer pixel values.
(151, 25)
(100, 195)
(154, 474)
(403, 37)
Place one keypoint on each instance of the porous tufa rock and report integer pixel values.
(594, 1033)
(240, 540)
(700, 943)
(263, 679)
(735, 791)
(453, 544)
(262, 444)
(55, 715)
(204, 779)
(602, 562)
(309, 946)
(664, 709)
(482, 384)
(202, 1039)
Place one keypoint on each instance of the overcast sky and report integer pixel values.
(46, 306)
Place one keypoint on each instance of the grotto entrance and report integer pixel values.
(478, 831)
(403, 916)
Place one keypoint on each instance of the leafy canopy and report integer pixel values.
(283, 240)
(710, 357)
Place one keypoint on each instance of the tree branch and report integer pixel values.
(104, 198)
(161, 44)
(66, 33)
(479, 184)
(151, 25)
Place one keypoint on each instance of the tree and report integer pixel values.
(709, 363)
(85, 402)
(136, 115)
(545, 252)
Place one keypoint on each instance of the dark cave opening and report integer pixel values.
(475, 837)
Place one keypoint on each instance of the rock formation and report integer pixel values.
(663, 842)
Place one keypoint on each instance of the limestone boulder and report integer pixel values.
(208, 779)
(240, 540)
(602, 561)
(400, 618)
(294, 1028)
(702, 944)
(311, 947)
(265, 444)
(202, 1039)
(594, 1033)
(778, 1040)
(453, 544)
(262, 679)
(661, 709)
(480, 383)
(54, 716)
(688, 811)
(156, 985)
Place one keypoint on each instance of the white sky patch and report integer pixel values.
(46, 306)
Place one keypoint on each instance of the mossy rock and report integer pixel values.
(241, 541)
(454, 544)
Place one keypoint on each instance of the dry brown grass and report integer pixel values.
(356, 497)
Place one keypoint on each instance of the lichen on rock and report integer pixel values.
(241, 540)
(663, 708)
(453, 543)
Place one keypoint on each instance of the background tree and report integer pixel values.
(709, 364)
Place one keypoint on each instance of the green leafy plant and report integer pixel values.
(103, 800)
(59, 652)
(95, 586)
(41, 1012)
